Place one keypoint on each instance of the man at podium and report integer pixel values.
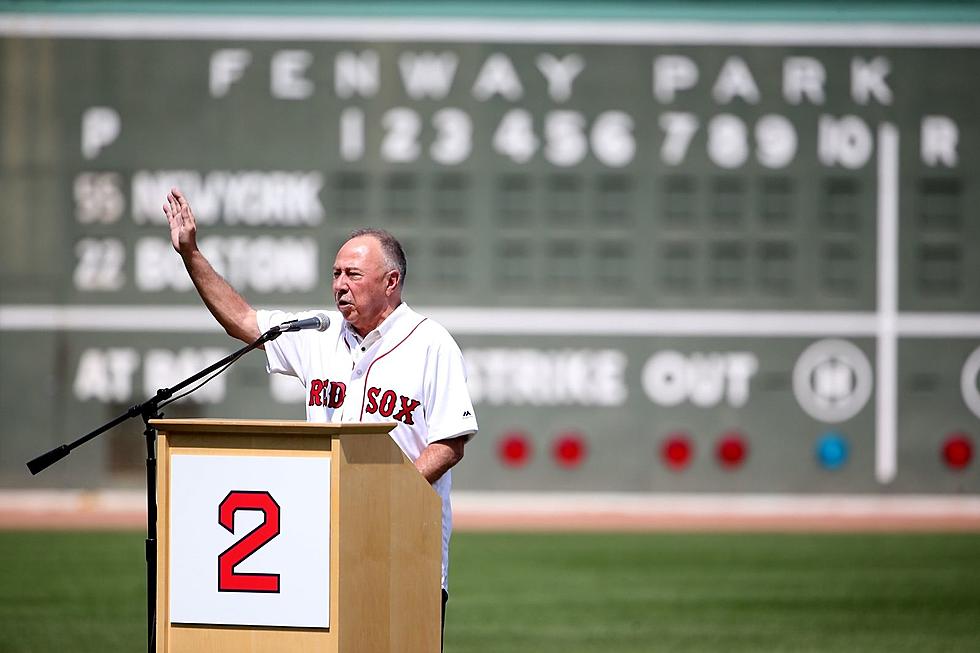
(373, 359)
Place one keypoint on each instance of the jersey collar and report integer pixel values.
(394, 318)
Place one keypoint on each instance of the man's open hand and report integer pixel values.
(183, 228)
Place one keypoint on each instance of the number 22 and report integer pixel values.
(228, 579)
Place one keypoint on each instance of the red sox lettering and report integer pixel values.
(324, 392)
(384, 403)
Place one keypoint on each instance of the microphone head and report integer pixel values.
(324, 321)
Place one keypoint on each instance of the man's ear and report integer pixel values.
(394, 278)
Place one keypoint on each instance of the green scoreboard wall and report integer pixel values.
(678, 256)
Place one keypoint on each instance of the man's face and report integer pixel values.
(362, 283)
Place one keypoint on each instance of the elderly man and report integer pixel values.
(382, 361)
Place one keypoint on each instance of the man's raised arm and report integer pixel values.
(226, 305)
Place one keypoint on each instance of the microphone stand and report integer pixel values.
(150, 409)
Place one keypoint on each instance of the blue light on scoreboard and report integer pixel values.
(832, 450)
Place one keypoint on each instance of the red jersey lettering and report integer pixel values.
(405, 413)
(387, 406)
(316, 392)
(338, 391)
(372, 395)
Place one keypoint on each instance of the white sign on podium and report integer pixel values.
(250, 540)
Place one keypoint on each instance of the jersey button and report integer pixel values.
(358, 372)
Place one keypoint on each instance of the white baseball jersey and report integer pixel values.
(408, 370)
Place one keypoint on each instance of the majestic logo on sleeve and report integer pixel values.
(385, 403)
(324, 392)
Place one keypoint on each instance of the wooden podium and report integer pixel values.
(344, 557)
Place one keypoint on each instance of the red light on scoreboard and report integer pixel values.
(957, 450)
(514, 449)
(732, 449)
(676, 451)
(569, 450)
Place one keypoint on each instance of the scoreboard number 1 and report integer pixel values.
(228, 579)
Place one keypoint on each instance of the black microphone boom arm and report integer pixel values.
(150, 409)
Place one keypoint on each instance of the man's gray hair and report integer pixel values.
(392, 249)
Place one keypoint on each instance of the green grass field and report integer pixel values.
(603, 593)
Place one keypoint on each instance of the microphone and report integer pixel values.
(320, 322)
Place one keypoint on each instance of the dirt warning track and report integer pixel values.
(503, 511)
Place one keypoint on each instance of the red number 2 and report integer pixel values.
(228, 580)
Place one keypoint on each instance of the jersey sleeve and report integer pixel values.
(448, 407)
(288, 353)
